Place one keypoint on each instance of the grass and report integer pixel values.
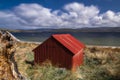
(48, 72)
(30, 56)
(91, 70)
(99, 64)
(102, 63)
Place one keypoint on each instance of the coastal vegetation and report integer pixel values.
(100, 63)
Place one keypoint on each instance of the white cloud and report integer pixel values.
(108, 19)
(75, 15)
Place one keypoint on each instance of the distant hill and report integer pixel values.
(100, 29)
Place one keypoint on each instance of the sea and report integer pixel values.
(88, 38)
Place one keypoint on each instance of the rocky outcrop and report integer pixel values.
(8, 66)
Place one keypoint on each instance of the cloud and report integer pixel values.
(9, 20)
(73, 15)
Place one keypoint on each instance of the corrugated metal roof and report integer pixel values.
(69, 42)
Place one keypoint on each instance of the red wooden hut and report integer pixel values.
(62, 50)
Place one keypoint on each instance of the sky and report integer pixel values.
(34, 14)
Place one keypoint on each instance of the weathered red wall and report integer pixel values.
(55, 52)
(77, 60)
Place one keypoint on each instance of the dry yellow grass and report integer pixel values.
(107, 58)
(98, 61)
(23, 50)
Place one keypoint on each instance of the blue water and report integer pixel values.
(89, 38)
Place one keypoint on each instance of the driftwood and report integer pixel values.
(8, 66)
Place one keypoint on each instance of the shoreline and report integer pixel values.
(99, 46)
(88, 46)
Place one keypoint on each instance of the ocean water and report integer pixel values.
(89, 38)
